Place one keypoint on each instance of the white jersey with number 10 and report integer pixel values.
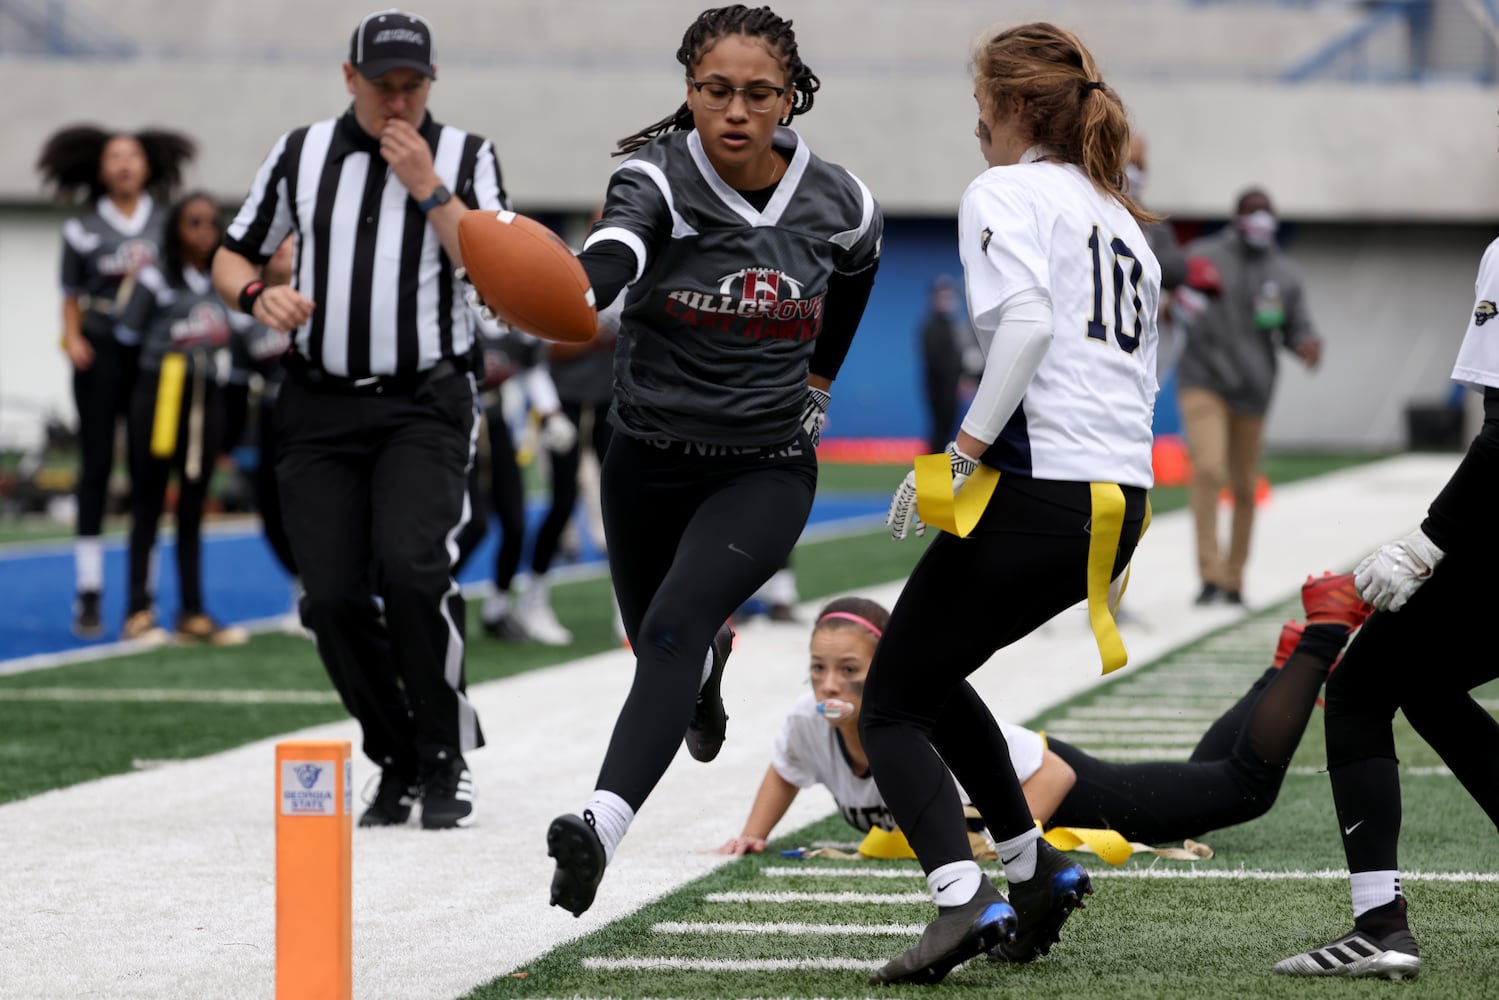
(1086, 415)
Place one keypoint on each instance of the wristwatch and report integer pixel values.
(439, 196)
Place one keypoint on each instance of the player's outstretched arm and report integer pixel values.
(771, 802)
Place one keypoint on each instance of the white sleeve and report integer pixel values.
(1026, 749)
(789, 759)
(1001, 245)
(1021, 338)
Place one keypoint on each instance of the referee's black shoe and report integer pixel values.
(580, 861)
(447, 794)
(392, 803)
(705, 732)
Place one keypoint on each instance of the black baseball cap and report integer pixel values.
(391, 39)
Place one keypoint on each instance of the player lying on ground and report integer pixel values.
(1233, 775)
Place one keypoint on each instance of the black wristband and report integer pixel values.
(248, 295)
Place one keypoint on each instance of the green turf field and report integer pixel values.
(768, 926)
(765, 926)
(88, 720)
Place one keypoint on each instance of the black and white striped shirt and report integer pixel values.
(386, 298)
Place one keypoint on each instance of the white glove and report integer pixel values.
(815, 414)
(477, 304)
(902, 517)
(557, 433)
(1388, 577)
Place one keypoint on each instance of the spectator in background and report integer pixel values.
(942, 362)
(119, 176)
(177, 413)
(512, 358)
(1226, 377)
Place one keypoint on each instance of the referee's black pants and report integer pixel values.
(374, 493)
(691, 537)
(1025, 562)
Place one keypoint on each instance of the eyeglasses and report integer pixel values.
(718, 96)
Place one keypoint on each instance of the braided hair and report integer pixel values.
(720, 22)
(69, 161)
(1067, 108)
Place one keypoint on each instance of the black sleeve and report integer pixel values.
(610, 266)
(848, 294)
(1462, 514)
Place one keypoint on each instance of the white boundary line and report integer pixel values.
(204, 696)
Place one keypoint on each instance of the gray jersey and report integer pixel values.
(718, 327)
(102, 248)
(189, 319)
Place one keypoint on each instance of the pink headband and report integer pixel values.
(850, 616)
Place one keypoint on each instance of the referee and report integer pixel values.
(376, 423)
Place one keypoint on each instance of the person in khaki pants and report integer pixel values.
(1226, 377)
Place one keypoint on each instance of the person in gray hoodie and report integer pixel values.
(1226, 377)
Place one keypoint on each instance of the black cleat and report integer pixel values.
(1382, 949)
(447, 795)
(580, 861)
(958, 934)
(1043, 903)
(87, 624)
(705, 733)
(392, 803)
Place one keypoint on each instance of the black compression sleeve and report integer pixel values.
(610, 266)
(848, 294)
(1463, 512)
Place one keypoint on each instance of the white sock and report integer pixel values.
(954, 884)
(88, 562)
(1373, 889)
(496, 606)
(611, 818)
(707, 668)
(1018, 855)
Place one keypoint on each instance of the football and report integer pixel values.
(527, 275)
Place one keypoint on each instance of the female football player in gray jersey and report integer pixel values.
(177, 413)
(1063, 292)
(120, 178)
(748, 262)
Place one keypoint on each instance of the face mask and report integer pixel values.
(1134, 177)
(1258, 228)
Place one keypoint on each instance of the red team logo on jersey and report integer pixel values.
(759, 303)
(204, 326)
(128, 258)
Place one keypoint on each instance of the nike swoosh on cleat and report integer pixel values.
(1349, 829)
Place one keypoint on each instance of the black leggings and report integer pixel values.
(103, 393)
(565, 482)
(1024, 563)
(148, 494)
(1233, 775)
(1423, 660)
(691, 537)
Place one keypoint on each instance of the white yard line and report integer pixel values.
(225, 696)
(730, 964)
(167, 873)
(1098, 871)
(784, 927)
